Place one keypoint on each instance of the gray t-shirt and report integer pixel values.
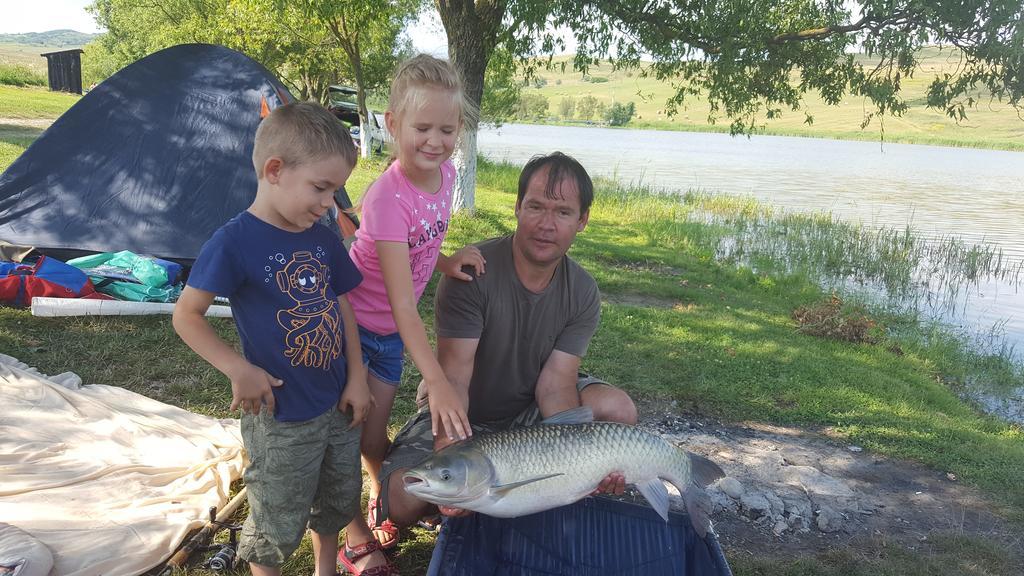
(517, 328)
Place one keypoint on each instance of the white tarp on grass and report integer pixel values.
(109, 480)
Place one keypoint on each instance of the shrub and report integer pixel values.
(18, 75)
(620, 114)
(586, 106)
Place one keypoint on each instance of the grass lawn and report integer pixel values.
(676, 325)
(26, 103)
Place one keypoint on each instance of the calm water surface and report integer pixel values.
(975, 194)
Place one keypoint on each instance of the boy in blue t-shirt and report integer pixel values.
(286, 277)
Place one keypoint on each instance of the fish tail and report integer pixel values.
(704, 471)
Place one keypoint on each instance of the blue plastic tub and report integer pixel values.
(595, 536)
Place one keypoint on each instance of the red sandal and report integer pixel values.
(387, 527)
(348, 556)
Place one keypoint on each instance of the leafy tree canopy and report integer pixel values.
(754, 58)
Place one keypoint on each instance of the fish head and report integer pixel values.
(453, 476)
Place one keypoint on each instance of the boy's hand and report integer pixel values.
(447, 411)
(468, 256)
(252, 388)
(357, 398)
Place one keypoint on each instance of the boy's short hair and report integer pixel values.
(562, 166)
(301, 132)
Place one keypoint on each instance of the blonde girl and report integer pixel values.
(405, 216)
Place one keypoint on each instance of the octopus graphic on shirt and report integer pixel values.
(314, 337)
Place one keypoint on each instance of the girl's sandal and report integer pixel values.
(349, 555)
(387, 528)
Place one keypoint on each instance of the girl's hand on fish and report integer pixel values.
(614, 483)
(468, 256)
(447, 411)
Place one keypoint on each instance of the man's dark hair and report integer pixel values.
(561, 166)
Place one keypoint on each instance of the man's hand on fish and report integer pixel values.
(614, 483)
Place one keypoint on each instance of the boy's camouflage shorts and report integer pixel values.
(299, 472)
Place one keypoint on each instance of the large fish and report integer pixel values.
(562, 460)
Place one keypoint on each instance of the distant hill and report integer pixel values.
(53, 38)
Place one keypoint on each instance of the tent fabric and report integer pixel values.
(152, 160)
(109, 480)
(593, 537)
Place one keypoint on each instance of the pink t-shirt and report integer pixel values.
(395, 210)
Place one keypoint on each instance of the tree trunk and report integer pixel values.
(364, 117)
(464, 195)
(472, 30)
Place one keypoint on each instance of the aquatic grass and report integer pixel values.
(898, 262)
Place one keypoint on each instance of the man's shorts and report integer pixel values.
(298, 472)
(382, 355)
(415, 441)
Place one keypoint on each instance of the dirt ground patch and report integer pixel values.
(644, 301)
(28, 122)
(792, 493)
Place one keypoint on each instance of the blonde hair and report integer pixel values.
(425, 71)
(301, 132)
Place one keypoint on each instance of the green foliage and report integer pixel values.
(619, 114)
(532, 106)
(301, 50)
(595, 79)
(741, 55)
(501, 92)
(18, 75)
(567, 107)
(98, 63)
(586, 107)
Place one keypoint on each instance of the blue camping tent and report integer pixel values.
(152, 160)
(593, 537)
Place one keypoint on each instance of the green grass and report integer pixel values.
(716, 338)
(991, 125)
(28, 103)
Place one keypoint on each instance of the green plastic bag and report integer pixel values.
(123, 263)
(134, 291)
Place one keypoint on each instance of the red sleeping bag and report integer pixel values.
(20, 283)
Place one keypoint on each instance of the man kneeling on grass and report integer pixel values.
(511, 340)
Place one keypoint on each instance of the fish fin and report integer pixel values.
(577, 415)
(657, 495)
(513, 485)
(697, 505)
(704, 471)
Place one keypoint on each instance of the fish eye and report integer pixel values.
(446, 475)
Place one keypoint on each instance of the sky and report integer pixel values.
(43, 15)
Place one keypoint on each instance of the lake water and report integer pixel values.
(975, 194)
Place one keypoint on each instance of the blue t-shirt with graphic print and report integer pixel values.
(284, 289)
